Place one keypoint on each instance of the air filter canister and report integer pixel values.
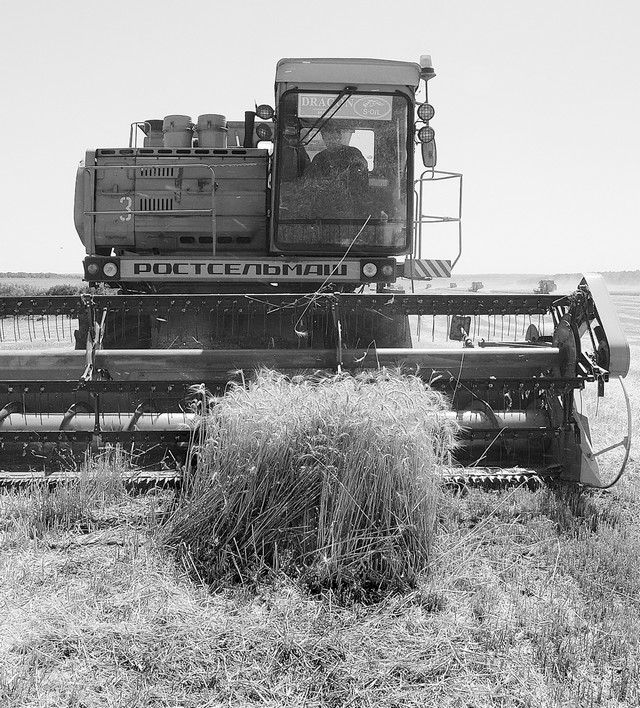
(178, 131)
(212, 131)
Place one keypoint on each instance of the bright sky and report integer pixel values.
(537, 104)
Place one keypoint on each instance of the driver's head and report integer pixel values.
(333, 134)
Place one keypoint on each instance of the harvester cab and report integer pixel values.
(287, 240)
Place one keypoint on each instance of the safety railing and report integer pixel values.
(421, 218)
(128, 212)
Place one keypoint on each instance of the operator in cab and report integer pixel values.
(340, 161)
(338, 176)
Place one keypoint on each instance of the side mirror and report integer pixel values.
(429, 154)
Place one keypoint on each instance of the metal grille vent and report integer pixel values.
(155, 204)
(157, 172)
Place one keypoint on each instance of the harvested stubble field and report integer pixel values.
(531, 599)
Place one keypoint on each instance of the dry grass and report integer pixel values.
(526, 604)
(40, 510)
(332, 480)
(546, 584)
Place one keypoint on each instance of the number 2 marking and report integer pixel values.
(127, 208)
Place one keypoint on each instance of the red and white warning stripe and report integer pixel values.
(425, 269)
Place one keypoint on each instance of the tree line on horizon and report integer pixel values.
(23, 274)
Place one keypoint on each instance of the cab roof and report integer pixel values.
(348, 71)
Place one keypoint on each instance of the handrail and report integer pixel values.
(420, 218)
(91, 169)
(133, 135)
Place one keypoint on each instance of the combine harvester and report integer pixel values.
(546, 286)
(279, 241)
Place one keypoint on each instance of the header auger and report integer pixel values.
(220, 247)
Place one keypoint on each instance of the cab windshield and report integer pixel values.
(341, 173)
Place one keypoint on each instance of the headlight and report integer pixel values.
(263, 131)
(426, 112)
(93, 269)
(426, 134)
(264, 112)
(369, 270)
(110, 269)
(387, 270)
